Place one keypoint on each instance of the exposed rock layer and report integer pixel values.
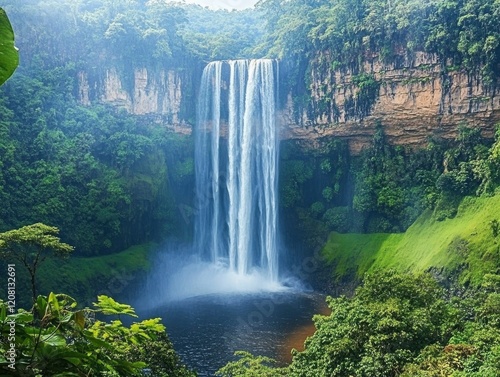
(414, 98)
(158, 94)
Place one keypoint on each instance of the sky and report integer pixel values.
(225, 4)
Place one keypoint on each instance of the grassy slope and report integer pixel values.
(447, 244)
(85, 278)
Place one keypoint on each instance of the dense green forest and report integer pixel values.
(353, 30)
(108, 180)
(396, 325)
(387, 187)
(61, 161)
(100, 34)
(99, 176)
(113, 160)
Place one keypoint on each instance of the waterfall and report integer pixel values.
(236, 150)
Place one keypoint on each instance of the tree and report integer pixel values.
(479, 37)
(56, 339)
(160, 357)
(473, 350)
(384, 326)
(31, 245)
(494, 157)
(396, 325)
(251, 366)
(9, 56)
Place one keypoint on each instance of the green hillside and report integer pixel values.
(86, 277)
(467, 240)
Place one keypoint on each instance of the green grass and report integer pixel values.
(85, 278)
(466, 240)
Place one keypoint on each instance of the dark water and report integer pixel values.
(207, 330)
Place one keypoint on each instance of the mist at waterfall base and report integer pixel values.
(236, 240)
(210, 312)
(179, 274)
(229, 291)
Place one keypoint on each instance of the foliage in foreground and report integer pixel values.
(251, 366)
(397, 325)
(31, 245)
(55, 339)
(9, 56)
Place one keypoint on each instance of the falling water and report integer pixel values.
(236, 180)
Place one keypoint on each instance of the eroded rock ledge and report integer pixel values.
(413, 98)
(416, 97)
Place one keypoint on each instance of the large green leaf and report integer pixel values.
(79, 318)
(9, 56)
(22, 317)
(98, 342)
(111, 307)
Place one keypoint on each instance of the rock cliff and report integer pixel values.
(412, 98)
(161, 94)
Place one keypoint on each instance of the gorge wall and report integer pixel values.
(412, 98)
(161, 94)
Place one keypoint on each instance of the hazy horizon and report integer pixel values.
(224, 4)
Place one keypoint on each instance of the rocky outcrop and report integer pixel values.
(413, 98)
(159, 94)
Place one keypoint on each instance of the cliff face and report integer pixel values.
(159, 94)
(412, 98)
